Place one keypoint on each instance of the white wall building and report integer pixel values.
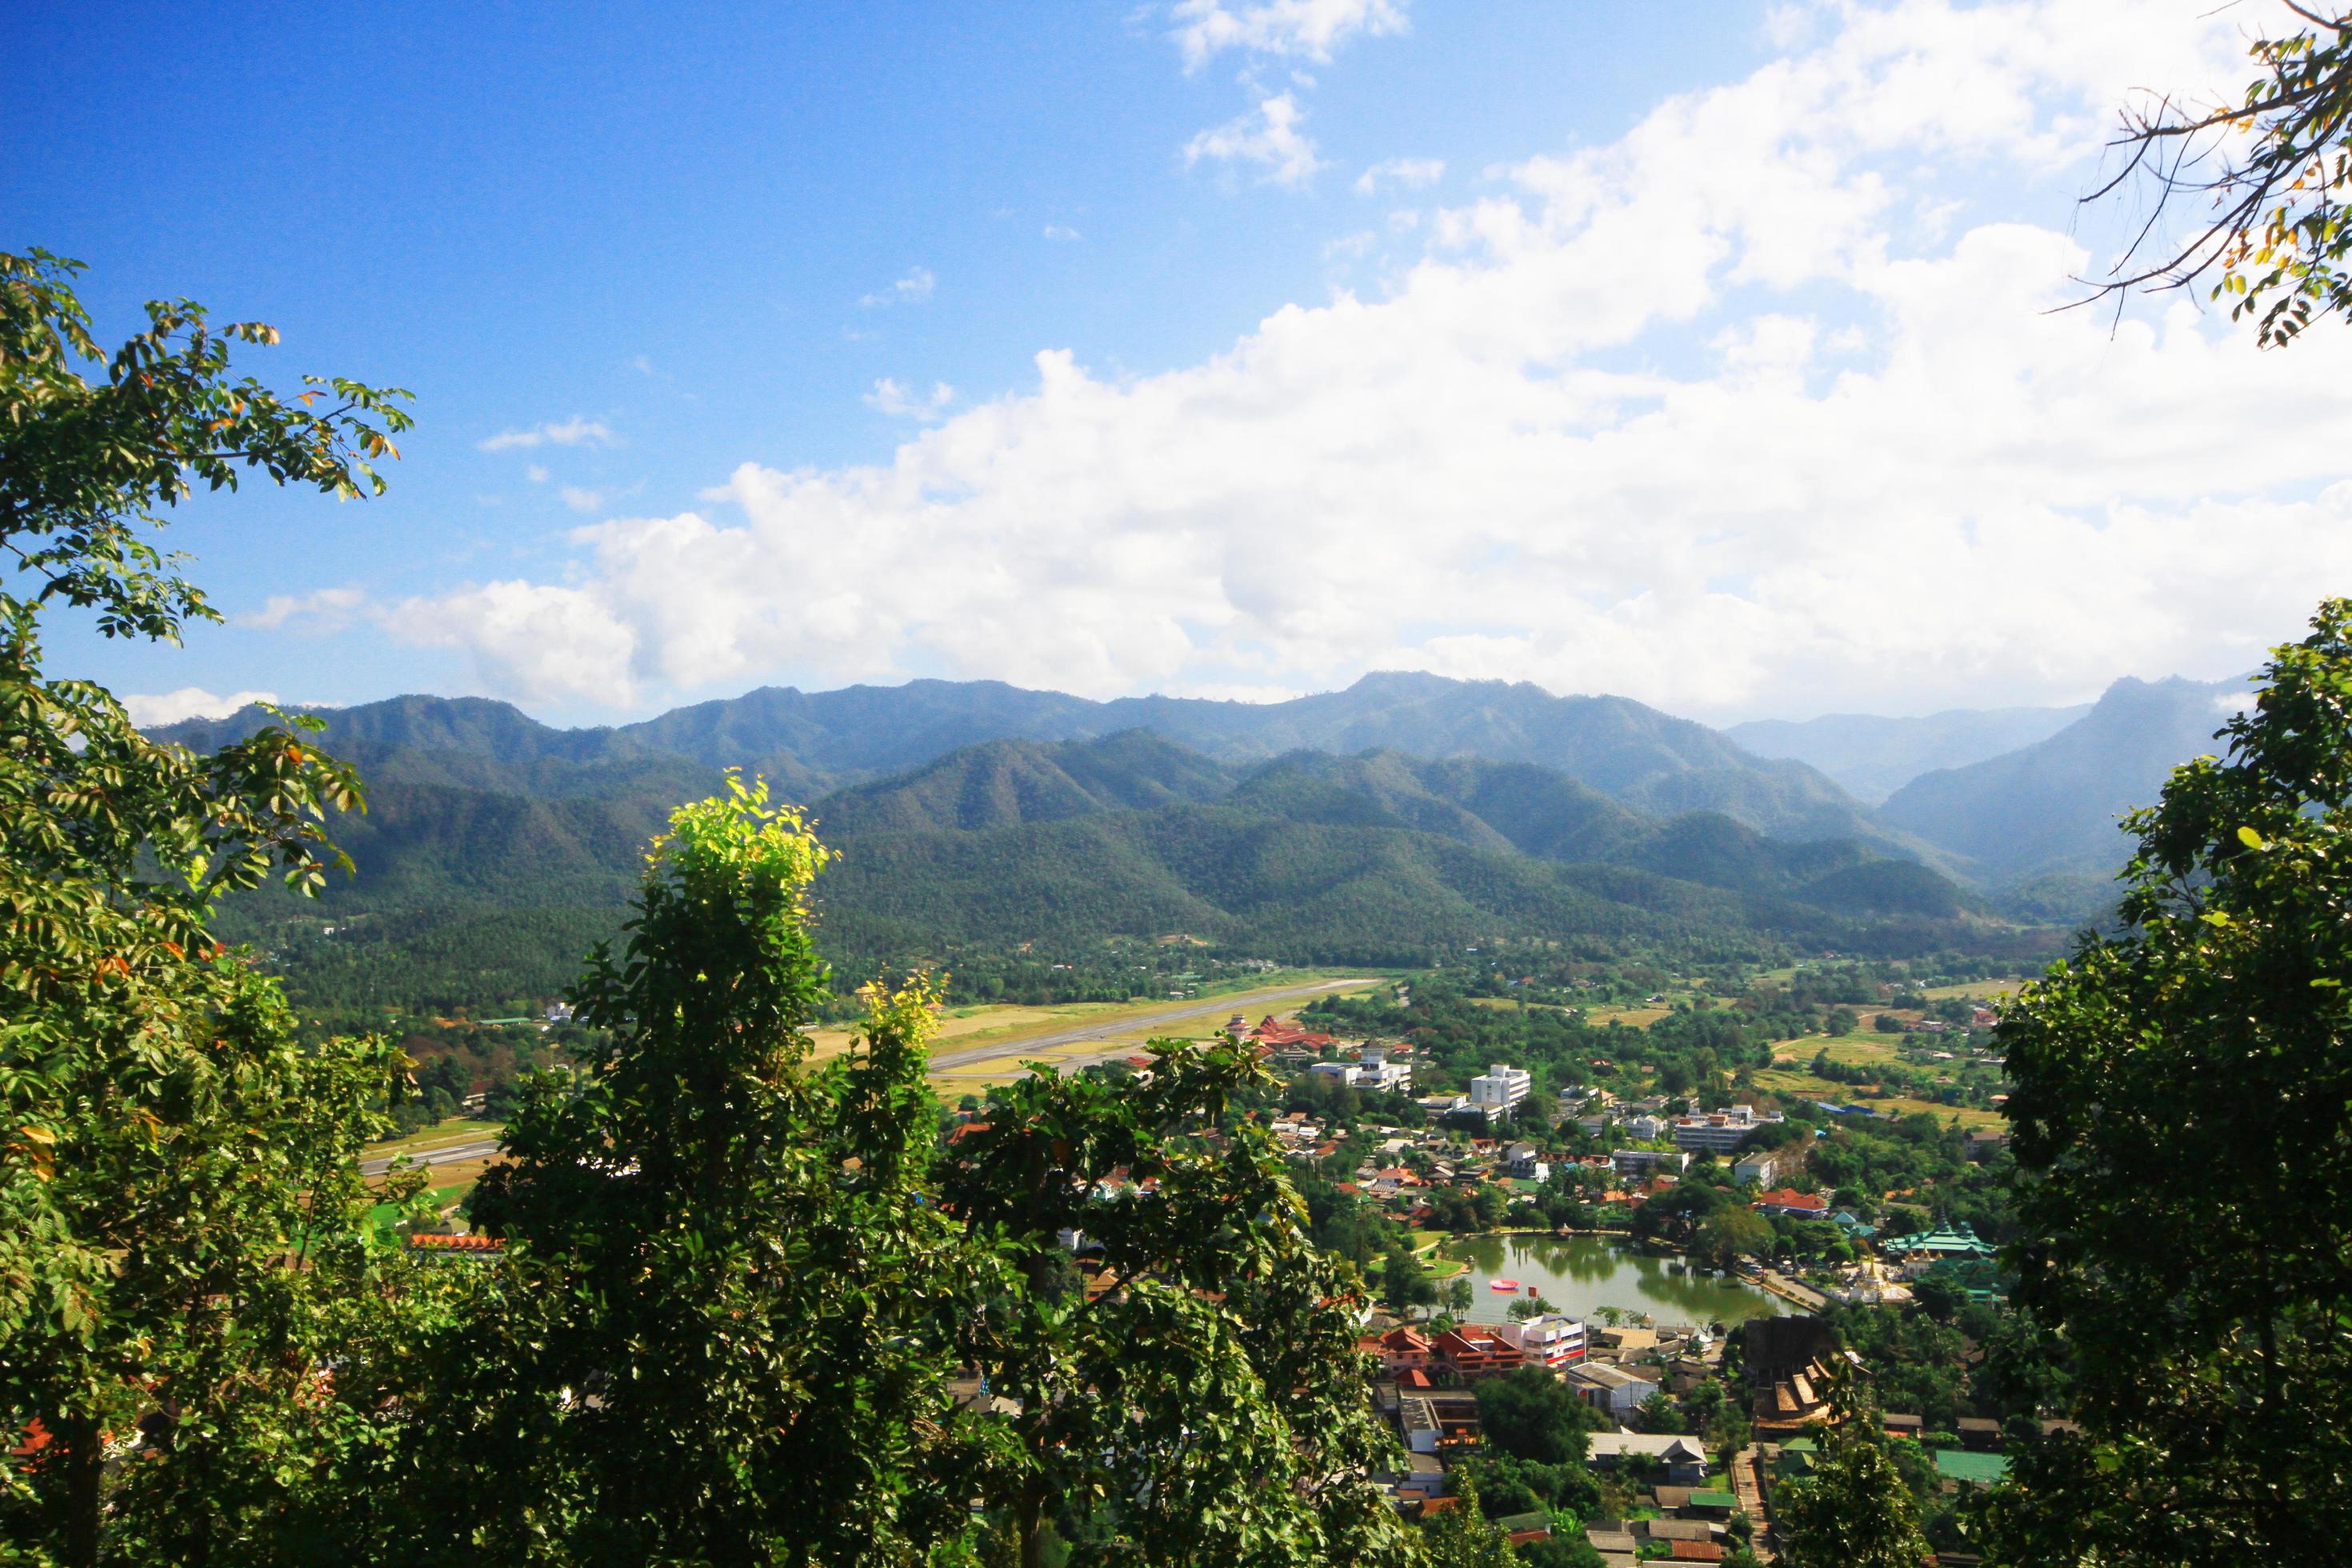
(1498, 1091)
(1649, 1162)
(1552, 1340)
(1721, 1130)
(1612, 1389)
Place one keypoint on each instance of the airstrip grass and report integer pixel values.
(1006, 1030)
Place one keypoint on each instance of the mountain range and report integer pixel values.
(1402, 814)
(1872, 757)
(810, 743)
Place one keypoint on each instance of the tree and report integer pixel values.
(1854, 1512)
(1405, 1286)
(1203, 1402)
(1840, 1021)
(2183, 1122)
(1938, 1296)
(1459, 1534)
(2272, 170)
(183, 1235)
(1529, 1414)
(1458, 1296)
(1730, 1234)
(1658, 1413)
(730, 1303)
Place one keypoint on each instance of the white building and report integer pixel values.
(1377, 1070)
(1370, 1070)
(1498, 1091)
(1552, 1340)
(1649, 1162)
(1721, 1130)
(1610, 1389)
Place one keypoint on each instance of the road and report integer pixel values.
(445, 1154)
(1748, 1484)
(1130, 1024)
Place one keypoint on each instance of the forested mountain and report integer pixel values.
(496, 847)
(1003, 783)
(810, 741)
(1873, 756)
(467, 869)
(2053, 807)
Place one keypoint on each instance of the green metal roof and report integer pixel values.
(1948, 1238)
(1978, 1470)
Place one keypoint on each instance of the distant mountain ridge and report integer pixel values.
(809, 743)
(1505, 768)
(2054, 806)
(1872, 757)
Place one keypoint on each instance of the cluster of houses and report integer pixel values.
(1685, 1503)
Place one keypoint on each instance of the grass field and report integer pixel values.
(1596, 1014)
(1011, 1033)
(1979, 989)
(1785, 1080)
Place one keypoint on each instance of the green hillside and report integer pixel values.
(484, 875)
(1005, 784)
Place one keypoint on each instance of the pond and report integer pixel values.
(1581, 1274)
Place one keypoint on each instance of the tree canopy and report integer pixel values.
(183, 1236)
(2183, 1131)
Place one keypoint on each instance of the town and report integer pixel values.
(1688, 1427)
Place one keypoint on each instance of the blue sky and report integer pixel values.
(1612, 346)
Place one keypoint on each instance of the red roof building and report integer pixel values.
(1790, 1201)
(1476, 1351)
(1401, 1351)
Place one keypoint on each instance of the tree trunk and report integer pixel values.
(1031, 1519)
(81, 1456)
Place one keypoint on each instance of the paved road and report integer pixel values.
(447, 1154)
(1133, 1022)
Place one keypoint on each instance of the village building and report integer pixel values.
(1721, 1132)
(1611, 1389)
(1497, 1093)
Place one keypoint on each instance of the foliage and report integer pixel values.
(2280, 234)
(725, 1323)
(183, 1230)
(1459, 1535)
(1201, 1400)
(1854, 1510)
(1528, 1414)
(2183, 1116)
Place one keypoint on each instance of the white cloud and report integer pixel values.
(150, 711)
(1411, 173)
(900, 402)
(1879, 475)
(912, 289)
(527, 640)
(1268, 137)
(1308, 29)
(1061, 231)
(325, 610)
(572, 432)
(581, 499)
(536, 473)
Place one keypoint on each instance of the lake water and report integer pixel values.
(1580, 1274)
